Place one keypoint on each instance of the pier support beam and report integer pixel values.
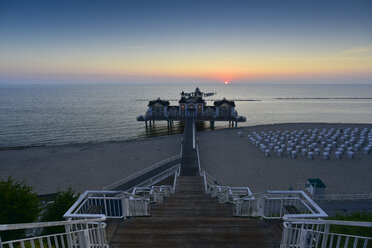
(146, 124)
(236, 124)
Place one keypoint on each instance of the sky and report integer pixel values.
(157, 41)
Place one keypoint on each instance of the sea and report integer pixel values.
(49, 115)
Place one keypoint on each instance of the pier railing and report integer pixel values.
(108, 204)
(277, 205)
(324, 233)
(76, 234)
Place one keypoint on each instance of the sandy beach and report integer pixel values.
(233, 160)
(86, 166)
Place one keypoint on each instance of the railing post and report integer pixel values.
(281, 206)
(303, 237)
(205, 183)
(104, 203)
(325, 236)
(285, 235)
(1, 244)
(68, 236)
(175, 181)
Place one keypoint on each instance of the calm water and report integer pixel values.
(62, 114)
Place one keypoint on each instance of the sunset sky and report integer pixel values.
(181, 41)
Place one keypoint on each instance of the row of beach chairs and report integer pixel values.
(313, 143)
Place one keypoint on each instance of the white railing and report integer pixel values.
(77, 234)
(343, 197)
(156, 194)
(323, 233)
(197, 153)
(277, 205)
(174, 170)
(209, 182)
(139, 173)
(108, 204)
(229, 194)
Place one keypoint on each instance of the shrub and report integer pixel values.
(18, 204)
(55, 211)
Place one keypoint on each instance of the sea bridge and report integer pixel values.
(175, 203)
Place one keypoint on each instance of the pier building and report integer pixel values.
(192, 105)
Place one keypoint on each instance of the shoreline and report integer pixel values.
(139, 138)
(89, 166)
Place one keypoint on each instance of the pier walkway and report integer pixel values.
(189, 161)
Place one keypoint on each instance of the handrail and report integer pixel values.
(143, 171)
(331, 222)
(197, 153)
(342, 197)
(177, 166)
(8, 227)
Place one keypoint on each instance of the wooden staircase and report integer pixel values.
(192, 219)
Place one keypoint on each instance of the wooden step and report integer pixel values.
(189, 218)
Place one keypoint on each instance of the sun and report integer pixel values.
(226, 82)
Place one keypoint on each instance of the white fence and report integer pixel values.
(322, 233)
(110, 204)
(343, 197)
(227, 193)
(278, 204)
(77, 234)
(156, 194)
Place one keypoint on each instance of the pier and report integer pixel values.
(192, 105)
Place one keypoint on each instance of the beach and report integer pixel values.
(231, 159)
(84, 166)
(234, 161)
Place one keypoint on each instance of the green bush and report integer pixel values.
(18, 204)
(55, 211)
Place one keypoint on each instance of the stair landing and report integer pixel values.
(190, 218)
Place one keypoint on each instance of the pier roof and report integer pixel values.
(224, 100)
(162, 102)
